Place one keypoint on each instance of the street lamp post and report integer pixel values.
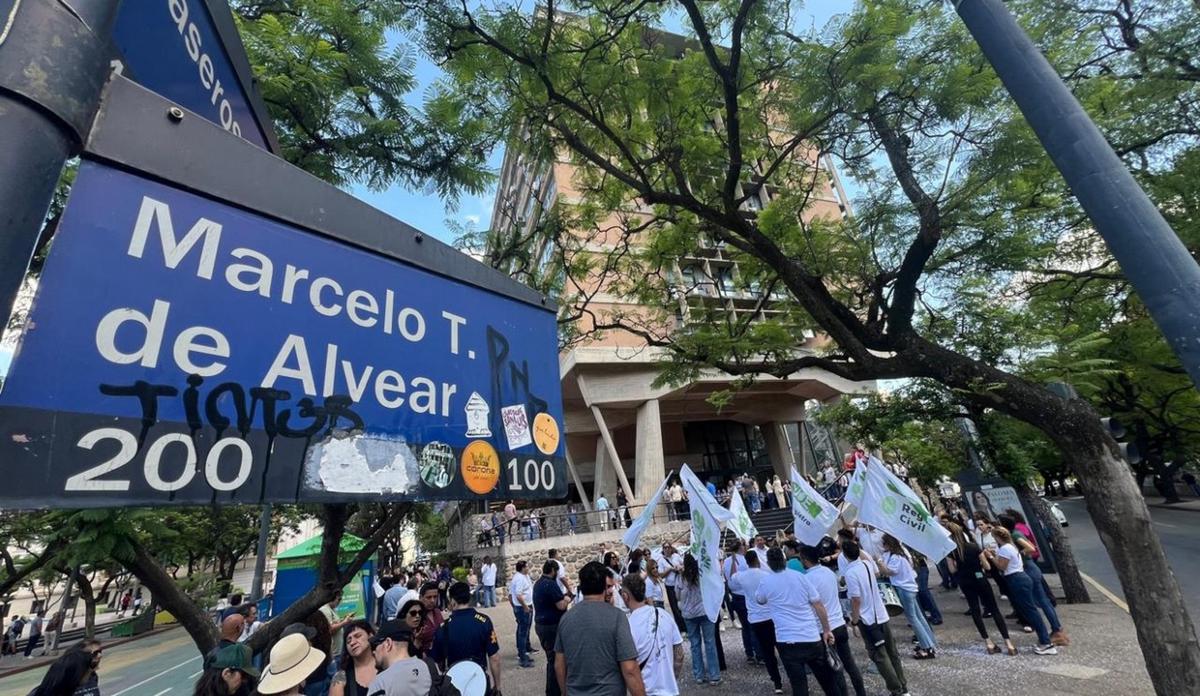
(1150, 253)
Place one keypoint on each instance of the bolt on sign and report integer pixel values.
(186, 349)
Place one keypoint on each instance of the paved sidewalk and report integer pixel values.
(1188, 503)
(1102, 660)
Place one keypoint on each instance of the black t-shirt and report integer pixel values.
(546, 594)
(968, 561)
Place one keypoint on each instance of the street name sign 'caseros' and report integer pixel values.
(184, 348)
(189, 51)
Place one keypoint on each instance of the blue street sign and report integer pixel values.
(189, 52)
(182, 350)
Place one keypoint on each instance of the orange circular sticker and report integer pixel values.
(480, 467)
(545, 433)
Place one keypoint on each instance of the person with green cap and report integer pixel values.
(229, 671)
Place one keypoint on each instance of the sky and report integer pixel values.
(428, 213)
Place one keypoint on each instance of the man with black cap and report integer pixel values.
(467, 635)
(401, 673)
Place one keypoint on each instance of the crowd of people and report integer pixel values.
(624, 621)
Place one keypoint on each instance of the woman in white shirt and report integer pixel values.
(896, 565)
(1020, 587)
(656, 589)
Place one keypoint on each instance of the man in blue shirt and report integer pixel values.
(549, 605)
(467, 635)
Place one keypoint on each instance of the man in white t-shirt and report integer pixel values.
(563, 583)
(487, 577)
(659, 643)
(826, 584)
(734, 563)
(801, 626)
(760, 548)
(868, 612)
(675, 496)
(670, 563)
(520, 595)
(759, 616)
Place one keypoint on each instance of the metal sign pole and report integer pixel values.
(1150, 253)
(53, 63)
(260, 560)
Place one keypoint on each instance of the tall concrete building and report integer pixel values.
(622, 432)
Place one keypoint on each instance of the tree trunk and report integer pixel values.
(1164, 628)
(1165, 631)
(167, 594)
(89, 604)
(1074, 588)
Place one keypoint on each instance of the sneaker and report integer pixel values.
(1059, 638)
(1045, 650)
(779, 688)
(1027, 629)
(714, 682)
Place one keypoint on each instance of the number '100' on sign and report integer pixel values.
(181, 350)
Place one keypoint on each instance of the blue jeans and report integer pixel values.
(702, 634)
(916, 619)
(737, 603)
(524, 621)
(1021, 589)
(925, 597)
(489, 595)
(1040, 598)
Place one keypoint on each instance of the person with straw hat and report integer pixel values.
(292, 660)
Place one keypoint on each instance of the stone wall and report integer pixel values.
(576, 550)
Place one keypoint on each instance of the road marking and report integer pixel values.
(150, 679)
(1164, 524)
(196, 674)
(1091, 581)
(163, 691)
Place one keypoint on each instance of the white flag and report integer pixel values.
(812, 514)
(740, 525)
(634, 534)
(707, 516)
(889, 504)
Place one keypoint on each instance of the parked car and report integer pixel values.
(1059, 514)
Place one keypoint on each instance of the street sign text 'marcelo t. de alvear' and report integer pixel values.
(191, 348)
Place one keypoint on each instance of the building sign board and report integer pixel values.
(183, 350)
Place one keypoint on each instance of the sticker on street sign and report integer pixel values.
(185, 351)
(174, 48)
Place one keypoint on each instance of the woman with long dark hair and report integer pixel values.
(357, 667)
(72, 671)
(896, 565)
(635, 563)
(971, 569)
(412, 613)
(701, 631)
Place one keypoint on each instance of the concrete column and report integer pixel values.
(649, 464)
(777, 449)
(603, 480)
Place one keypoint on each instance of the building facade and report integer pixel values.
(624, 432)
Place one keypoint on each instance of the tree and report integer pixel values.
(336, 92)
(678, 137)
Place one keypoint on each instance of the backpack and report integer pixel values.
(439, 683)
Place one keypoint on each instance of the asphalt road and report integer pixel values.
(1179, 531)
(166, 664)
